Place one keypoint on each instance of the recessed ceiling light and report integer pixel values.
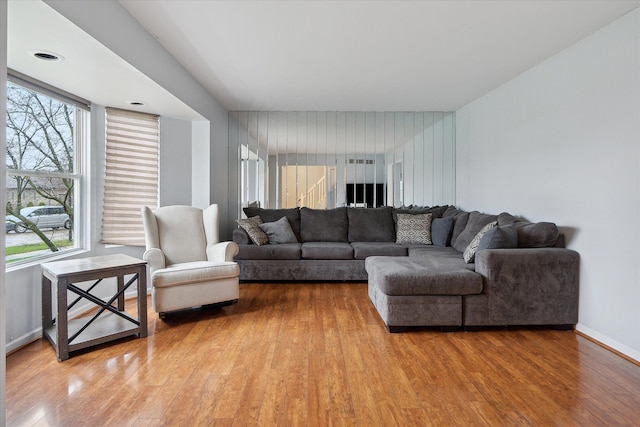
(46, 56)
(136, 103)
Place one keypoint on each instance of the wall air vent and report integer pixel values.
(362, 161)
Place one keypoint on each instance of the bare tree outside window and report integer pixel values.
(40, 163)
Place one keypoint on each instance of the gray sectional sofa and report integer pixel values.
(468, 269)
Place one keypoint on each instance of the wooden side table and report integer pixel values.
(111, 322)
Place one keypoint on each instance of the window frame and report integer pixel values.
(81, 144)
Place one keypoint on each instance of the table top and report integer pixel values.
(86, 265)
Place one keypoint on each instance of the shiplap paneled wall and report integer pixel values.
(317, 159)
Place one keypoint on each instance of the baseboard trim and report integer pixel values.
(23, 341)
(608, 344)
(36, 334)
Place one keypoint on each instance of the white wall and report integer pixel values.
(200, 155)
(98, 19)
(175, 161)
(561, 143)
(133, 44)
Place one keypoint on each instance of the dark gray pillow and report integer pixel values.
(272, 215)
(279, 231)
(474, 225)
(324, 225)
(501, 237)
(371, 225)
(441, 229)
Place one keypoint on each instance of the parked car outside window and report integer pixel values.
(42, 216)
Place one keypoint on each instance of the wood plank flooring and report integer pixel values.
(318, 355)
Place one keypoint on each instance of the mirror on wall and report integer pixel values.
(325, 160)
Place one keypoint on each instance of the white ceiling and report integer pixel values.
(312, 55)
(89, 69)
(365, 55)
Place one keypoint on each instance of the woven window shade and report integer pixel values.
(131, 175)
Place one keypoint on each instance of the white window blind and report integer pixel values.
(131, 175)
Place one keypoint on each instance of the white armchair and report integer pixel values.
(189, 266)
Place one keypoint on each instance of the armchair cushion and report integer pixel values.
(193, 272)
(181, 233)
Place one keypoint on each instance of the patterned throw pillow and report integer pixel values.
(252, 227)
(469, 254)
(414, 229)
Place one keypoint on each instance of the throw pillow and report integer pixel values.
(252, 227)
(441, 230)
(279, 231)
(271, 215)
(414, 229)
(500, 237)
(469, 254)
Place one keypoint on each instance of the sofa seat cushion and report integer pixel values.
(362, 250)
(193, 272)
(327, 250)
(440, 257)
(281, 251)
(416, 276)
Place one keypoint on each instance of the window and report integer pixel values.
(131, 175)
(45, 132)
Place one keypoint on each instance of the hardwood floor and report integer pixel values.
(318, 355)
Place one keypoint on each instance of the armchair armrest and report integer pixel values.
(223, 251)
(155, 259)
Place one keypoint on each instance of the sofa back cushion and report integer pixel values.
(435, 211)
(476, 222)
(533, 235)
(272, 215)
(324, 225)
(371, 225)
(460, 219)
(536, 235)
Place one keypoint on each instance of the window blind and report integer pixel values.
(131, 175)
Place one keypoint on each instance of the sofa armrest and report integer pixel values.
(223, 251)
(528, 286)
(155, 259)
(241, 237)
